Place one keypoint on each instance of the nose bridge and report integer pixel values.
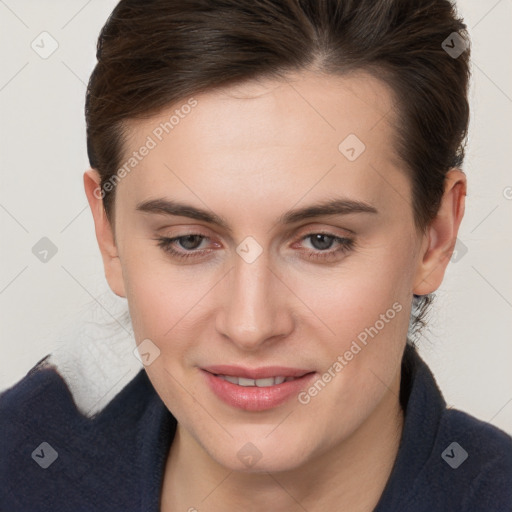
(250, 313)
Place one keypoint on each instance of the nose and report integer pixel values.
(255, 311)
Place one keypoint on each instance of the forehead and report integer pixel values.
(279, 136)
(294, 110)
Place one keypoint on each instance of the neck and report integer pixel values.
(352, 476)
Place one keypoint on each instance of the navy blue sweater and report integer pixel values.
(55, 459)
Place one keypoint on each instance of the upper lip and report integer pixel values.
(256, 373)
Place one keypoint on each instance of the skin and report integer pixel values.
(250, 153)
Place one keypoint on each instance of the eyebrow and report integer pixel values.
(338, 206)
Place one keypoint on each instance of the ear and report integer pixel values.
(441, 236)
(104, 233)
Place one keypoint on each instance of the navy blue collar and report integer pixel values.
(423, 405)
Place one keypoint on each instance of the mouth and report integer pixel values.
(258, 389)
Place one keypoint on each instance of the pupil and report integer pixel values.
(184, 241)
(324, 245)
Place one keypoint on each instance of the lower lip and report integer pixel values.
(253, 398)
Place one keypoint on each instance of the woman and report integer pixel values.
(276, 188)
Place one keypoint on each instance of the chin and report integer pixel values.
(269, 464)
(262, 454)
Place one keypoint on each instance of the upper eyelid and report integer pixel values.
(300, 237)
(307, 231)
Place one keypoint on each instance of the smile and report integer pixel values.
(261, 383)
(256, 390)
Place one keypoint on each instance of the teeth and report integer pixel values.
(263, 383)
(246, 382)
(260, 383)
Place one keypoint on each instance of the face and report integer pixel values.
(260, 280)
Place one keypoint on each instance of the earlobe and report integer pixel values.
(441, 236)
(104, 233)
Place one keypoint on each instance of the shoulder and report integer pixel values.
(477, 460)
(470, 466)
(30, 413)
(449, 459)
(40, 377)
(41, 396)
(52, 454)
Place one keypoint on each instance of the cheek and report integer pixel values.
(366, 307)
(167, 304)
(353, 296)
(368, 312)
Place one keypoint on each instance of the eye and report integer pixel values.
(191, 242)
(323, 241)
(188, 242)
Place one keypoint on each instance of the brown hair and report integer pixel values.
(154, 53)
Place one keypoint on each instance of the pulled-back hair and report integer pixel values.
(154, 53)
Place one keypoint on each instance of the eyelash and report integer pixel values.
(346, 245)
